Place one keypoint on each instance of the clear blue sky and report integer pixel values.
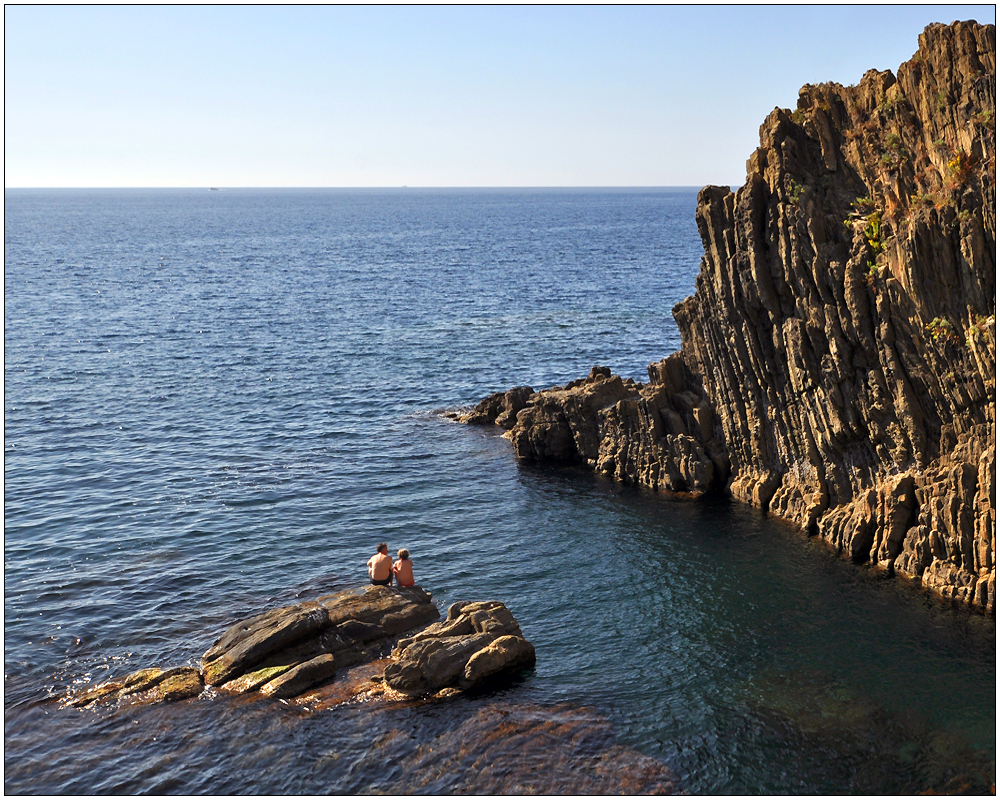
(422, 96)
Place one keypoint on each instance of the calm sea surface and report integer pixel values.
(219, 402)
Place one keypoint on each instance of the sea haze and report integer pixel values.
(217, 402)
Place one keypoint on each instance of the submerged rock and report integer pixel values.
(146, 685)
(522, 750)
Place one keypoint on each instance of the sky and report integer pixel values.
(450, 96)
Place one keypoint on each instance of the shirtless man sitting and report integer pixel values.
(380, 566)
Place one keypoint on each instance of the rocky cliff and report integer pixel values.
(838, 355)
(843, 322)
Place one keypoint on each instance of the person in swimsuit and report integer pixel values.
(380, 566)
(403, 569)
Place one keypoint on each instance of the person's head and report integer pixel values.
(383, 548)
(404, 554)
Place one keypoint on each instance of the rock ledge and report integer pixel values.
(288, 651)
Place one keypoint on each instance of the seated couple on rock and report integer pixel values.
(381, 569)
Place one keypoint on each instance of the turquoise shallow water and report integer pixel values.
(218, 402)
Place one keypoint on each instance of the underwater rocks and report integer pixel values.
(286, 652)
(839, 353)
(521, 750)
(147, 686)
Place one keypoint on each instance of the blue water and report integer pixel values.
(217, 402)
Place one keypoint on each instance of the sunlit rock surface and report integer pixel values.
(839, 353)
(844, 318)
(287, 652)
(477, 641)
(662, 434)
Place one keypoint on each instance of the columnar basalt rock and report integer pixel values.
(839, 354)
(844, 318)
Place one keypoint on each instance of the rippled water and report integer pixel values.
(216, 402)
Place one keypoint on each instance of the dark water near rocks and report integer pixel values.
(217, 402)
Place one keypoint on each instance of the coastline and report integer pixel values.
(837, 367)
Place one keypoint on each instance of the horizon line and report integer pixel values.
(220, 187)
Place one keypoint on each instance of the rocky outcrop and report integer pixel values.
(348, 626)
(477, 642)
(147, 686)
(663, 434)
(839, 353)
(286, 652)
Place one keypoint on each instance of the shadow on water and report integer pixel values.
(878, 751)
(751, 658)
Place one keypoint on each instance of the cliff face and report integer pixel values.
(839, 354)
(844, 319)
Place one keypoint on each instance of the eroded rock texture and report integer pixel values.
(289, 651)
(844, 318)
(663, 434)
(477, 642)
(839, 353)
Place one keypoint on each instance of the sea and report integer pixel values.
(219, 402)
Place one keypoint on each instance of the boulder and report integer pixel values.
(508, 653)
(477, 642)
(428, 665)
(301, 677)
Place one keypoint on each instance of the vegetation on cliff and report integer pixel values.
(838, 355)
(844, 318)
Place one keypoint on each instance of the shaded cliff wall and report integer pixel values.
(843, 324)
